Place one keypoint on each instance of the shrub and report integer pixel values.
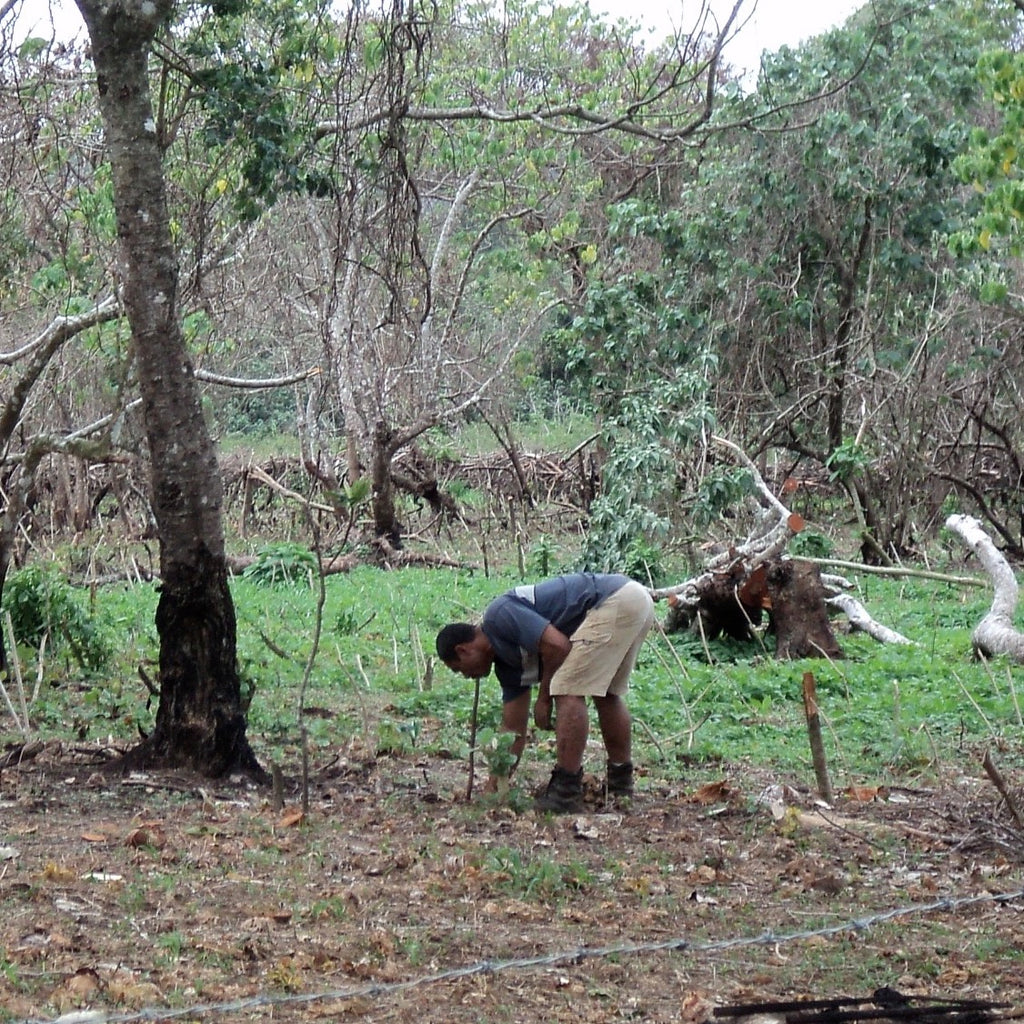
(42, 604)
(282, 565)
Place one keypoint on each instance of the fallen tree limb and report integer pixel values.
(860, 619)
(268, 481)
(995, 634)
(736, 568)
(899, 570)
(237, 564)
(761, 546)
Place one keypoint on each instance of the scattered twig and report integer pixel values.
(650, 735)
(1004, 791)
(898, 570)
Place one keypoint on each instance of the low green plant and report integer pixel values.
(810, 544)
(282, 565)
(335, 908)
(535, 877)
(346, 622)
(542, 556)
(172, 945)
(42, 604)
(496, 747)
(9, 972)
(463, 493)
(397, 738)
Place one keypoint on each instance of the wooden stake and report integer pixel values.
(472, 740)
(814, 734)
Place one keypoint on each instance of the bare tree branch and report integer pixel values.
(256, 384)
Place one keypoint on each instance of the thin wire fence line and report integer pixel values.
(378, 989)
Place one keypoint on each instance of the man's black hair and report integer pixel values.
(451, 636)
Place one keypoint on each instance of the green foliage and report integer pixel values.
(346, 622)
(992, 164)
(847, 461)
(542, 556)
(282, 565)
(257, 414)
(644, 561)
(496, 747)
(721, 491)
(810, 544)
(357, 494)
(250, 77)
(42, 604)
(535, 876)
(643, 353)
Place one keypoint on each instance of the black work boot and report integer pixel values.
(564, 794)
(620, 781)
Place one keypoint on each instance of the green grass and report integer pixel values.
(889, 712)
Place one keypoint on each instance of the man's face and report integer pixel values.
(470, 661)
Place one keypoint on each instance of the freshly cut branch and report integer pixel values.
(995, 634)
(749, 576)
(769, 539)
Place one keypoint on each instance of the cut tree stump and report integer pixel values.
(798, 612)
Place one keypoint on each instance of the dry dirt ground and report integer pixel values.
(394, 898)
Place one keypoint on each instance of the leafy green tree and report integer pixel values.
(810, 259)
(992, 163)
(645, 360)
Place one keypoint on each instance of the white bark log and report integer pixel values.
(995, 634)
(860, 619)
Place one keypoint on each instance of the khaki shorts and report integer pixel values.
(606, 644)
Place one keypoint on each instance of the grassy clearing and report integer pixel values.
(890, 713)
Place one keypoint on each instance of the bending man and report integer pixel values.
(574, 637)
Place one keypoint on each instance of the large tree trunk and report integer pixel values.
(385, 517)
(200, 722)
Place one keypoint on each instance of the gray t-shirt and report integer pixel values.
(514, 622)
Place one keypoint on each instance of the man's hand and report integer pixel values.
(542, 712)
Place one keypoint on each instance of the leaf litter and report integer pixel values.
(136, 894)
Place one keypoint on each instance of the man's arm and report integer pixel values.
(515, 715)
(554, 649)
